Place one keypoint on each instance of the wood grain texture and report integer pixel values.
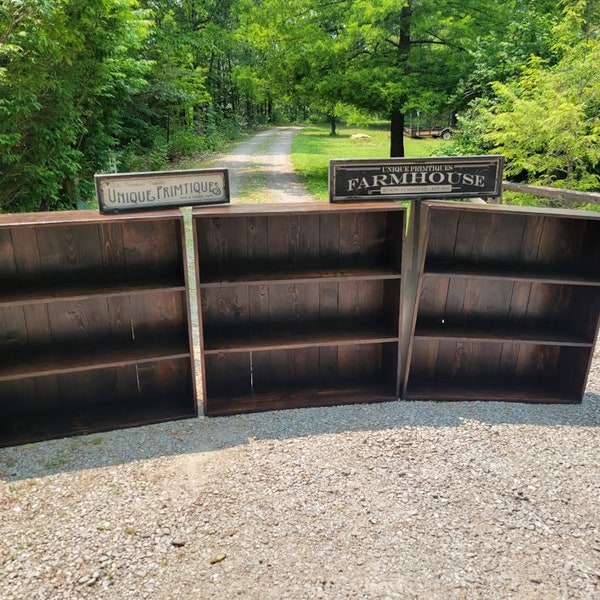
(504, 305)
(303, 297)
(94, 323)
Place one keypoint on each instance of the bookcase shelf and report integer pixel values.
(508, 303)
(299, 304)
(94, 323)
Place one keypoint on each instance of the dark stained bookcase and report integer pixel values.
(507, 303)
(94, 323)
(299, 304)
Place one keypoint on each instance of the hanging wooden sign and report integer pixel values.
(123, 192)
(415, 178)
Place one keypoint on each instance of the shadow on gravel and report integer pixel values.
(193, 436)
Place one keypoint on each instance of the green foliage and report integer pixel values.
(66, 68)
(136, 85)
(547, 122)
(386, 58)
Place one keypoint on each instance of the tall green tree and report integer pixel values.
(387, 57)
(547, 121)
(66, 68)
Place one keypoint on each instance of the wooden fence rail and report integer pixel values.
(555, 193)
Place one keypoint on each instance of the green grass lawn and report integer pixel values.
(313, 148)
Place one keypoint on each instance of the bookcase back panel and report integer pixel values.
(96, 320)
(496, 371)
(227, 374)
(137, 385)
(540, 242)
(231, 245)
(454, 360)
(262, 373)
(91, 253)
(299, 304)
(448, 301)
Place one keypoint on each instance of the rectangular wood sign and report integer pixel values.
(415, 178)
(161, 189)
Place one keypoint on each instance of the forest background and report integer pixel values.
(89, 86)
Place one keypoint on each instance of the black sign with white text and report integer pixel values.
(415, 178)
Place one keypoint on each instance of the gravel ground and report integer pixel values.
(261, 170)
(403, 500)
(396, 500)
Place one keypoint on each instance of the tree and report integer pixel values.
(547, 122)
(386, 57)
(66, 68)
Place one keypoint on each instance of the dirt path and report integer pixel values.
(260, 169)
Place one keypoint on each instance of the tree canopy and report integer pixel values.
(96, 85)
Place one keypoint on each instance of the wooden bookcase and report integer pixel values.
(299, 304)
(508, 304)
(94, 323)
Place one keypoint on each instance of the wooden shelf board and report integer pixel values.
(511, 273)
(90, 357)
(504, 332)
(489, 391)
(269, 338)
(42, 426)
(299, 276)
(304, 398)
(34, 294)
(83, 217)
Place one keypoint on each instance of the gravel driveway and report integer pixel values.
(260, 169)
(400, 500)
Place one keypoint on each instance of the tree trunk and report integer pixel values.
(333, 121)
(397, 134)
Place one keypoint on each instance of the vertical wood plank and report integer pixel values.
(258, 302)
(85, 388)
(434, 301)
(120, 324)
(329, 240)
(424, 359)
(467, 229)
(329, 293)
(487, 300)
(166, 383)
(257, 239)
(519, 301)
(548, 304)
(532, 234)
(393, 240)
(560, 244)
(27, 258)
(442, 229)
(114, 258)
(13, 330)
(361, 300)
(8, 266)
(590, 250)
(127, 388)
(37, 322)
